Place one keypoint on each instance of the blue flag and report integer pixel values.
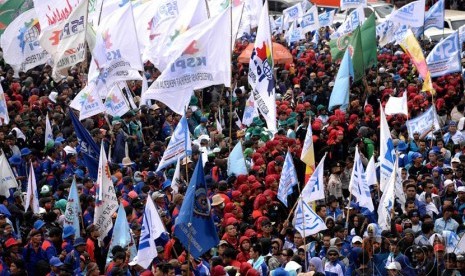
(121, 232)
(340, 93)
(73, 210)
(88, 147)
(434, 17)
(236, 161)
(288, 179)
(445, 56)
(194, 225)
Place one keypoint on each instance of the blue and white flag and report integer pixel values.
(152, 228)
(306, 221)
(370, 172)
(250, 111)
(412, 14)
(347, 4)
(48, 131)
(306, 5)
(387, 200)
(340, 92)
(358, 184)
(316, 40)
(73, 210)
(353, 20)
(194, 226)
(4, 118)
(434, 17)
(386, 153)
(115, 102)
(462, 34)
(309, 22)
(445, 56)
(32, 196)
(236, 161)
(315, 187)
(451, 239)
(288, 179)
(121, 232)
(294, 34)
(7, 177)
(326, 18)
(180, 145)
(385, 32)
(88, 102)
(291, 14)
(423, 123)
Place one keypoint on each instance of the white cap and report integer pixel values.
(461, 189)
(455, 159)
(394, 265)
(448, 182)
(331, 84)
(381, 88)
(70, 150)
(382, 70)
(357, 239)
(53, 96)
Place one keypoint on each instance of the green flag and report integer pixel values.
(338, 46)
(10, 9)
(368, 30)
(356, 51)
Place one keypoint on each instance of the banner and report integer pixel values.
(7, 177)
(306, 221)
(423, 123)
(73, 210)
(347, 4)
(4, 118)
(434, 17)
(287, 180)
(291, 14)
(353, 20)
(309, 22)
(412, 14)
(52, 12)
(326, 18)
(445, 56)
(115, 102)
(179, 145)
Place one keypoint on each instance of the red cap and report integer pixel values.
(218, 271)
(438, 247)
(231, 221)
(229, 207)
(10, 242)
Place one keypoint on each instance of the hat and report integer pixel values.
(223, 242)
(279, 272)
(186, 160)
(39, 224)
(402, 146)
(356, 239)
(203, 120)
(217, 200)
(394, 265)
(79, 241)
(45, 190)
(455, 160)
(438, 247)
(448, 182)
(126, 162)
(461, 189)
(55, 261)
(160, 249)
(416, 155)
(154, 107)
(218, 270)
(25, 151)
(68, 231)
(156, 195)
(11, 242)
(166, 184)
(333, 249)
(53, 96)
(15, 160)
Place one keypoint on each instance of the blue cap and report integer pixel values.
(79, 173)
(68, 231)
(402, 146)
(203, 120)
(39, 224)
(79, 241)
(55, 261)
(452, 123)
(166, 184)
(25, 151)
(15, 160)
(59, 140)
(416, 155)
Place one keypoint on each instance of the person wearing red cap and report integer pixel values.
(244, 248)
(230, 233)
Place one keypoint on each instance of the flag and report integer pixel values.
(143, 16)
(179, 145)
(73, 210)
(353, 20)
(20, 43)
(347, 4)
(32, 196)
(287, 180)
(397, 105)
(194, 226)
(339, 45)
(306, 5)
(434, 17)
(309, 22)
(368, 38)
(451, 240)
(340, 93)
(252, 11)
(294, 34)
(423, 123)
(386, 153)
(387, 201)
(10, 10)
(358, 184)
(356, 52)
(52, 12)
(326, 18)
(308, 152)
(399, 191)
(250, 111)
(88, 102)
(65, 41)
(106, 202)
(115, 102)
(462, 34)
(315, 189)
(87, 146)
(316, 40)
(7, 177)
(176, 181)
(121, 233)
(461, 244)
(152, 228)
(411, 14)
(370, 172)
(291, 14)
(385, 32)
(4, 118)
(445, 57)
(236, 161)
(198, 59)
(261, 77)
(306, 221)
(48, 131)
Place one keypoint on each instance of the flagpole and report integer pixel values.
(100, 14)
(231, 84)
(303, 223)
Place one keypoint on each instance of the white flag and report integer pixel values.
(88, 102)
(371, 172)
(399, 191)
(250, 111)
(143, 15)
(347, 4)
(48, 131)
(308, 152)
(7, 177)
(287, 180)
(397, 105)
(152, 228)
(115, 102)
(387, 201)
(353, 20)
(315, 188)
(4, 118)
(176, 181)
(290, 14)
(386, 153)
(294, 34)
(358, 185)
(310, 22)
(106, 202)
(326, 18)
(461, 244)
(199, 58)
(32, 196)
(236, 161)
(306, 221)
(20, 43)
(261, 76)
(52, 12)
(411, 14)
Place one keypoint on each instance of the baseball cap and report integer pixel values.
(356, 239)
(394, 265)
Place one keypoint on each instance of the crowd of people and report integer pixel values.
(256, 230)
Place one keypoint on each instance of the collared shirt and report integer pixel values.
(441, 225)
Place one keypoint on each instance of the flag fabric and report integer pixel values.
(143, 16)
(397, 105)
(462, 34)
(461, 244)
(399, 191)
(306, 221)
(179, 145)
(10, 10)
(106, 202)
(20, 43)
(88, 102)
(73, 210)
(52, 12)
(152, 228)
(176, 181)
(261, 77)
(48, 131)
(326, 18)
(308, 152)
(340, 93)
(309, 22)
(339, 45)
(314, 189)
(87, 146)
(121, 232)
(370, 172)
(4, 118)
(353, 20)
(294, 34)
(32, 196)
(451, 240)
(410, 46)
(306, 5)
(65, 41)
(291, 14)
(115, 102)
(287, 180)
(347, 4)
(198, 59)
(434, 17)
(194, 226)
(411, 14)
(385, 32)
(423, 123)
(250, 111)
(236, 161)
(386, 153)
(358, 184)
(356, 52)
(387, 201)
(445, 57)
(7, 177)
(368, 38)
